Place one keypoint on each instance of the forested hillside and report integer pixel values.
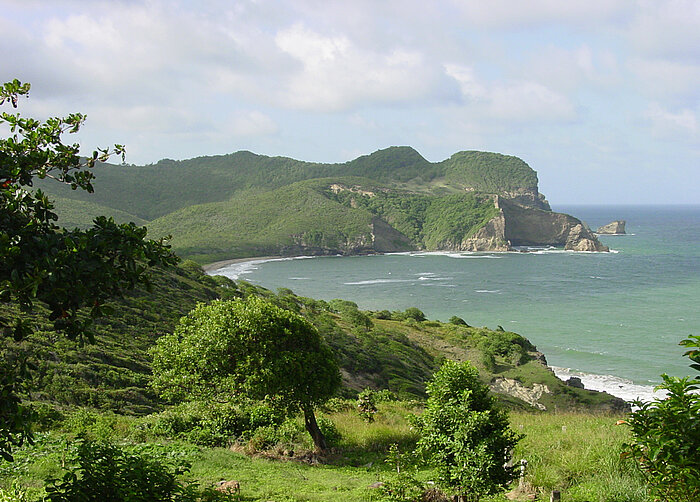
(243, 204)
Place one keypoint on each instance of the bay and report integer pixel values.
(614, 319)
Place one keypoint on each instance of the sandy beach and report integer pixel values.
(210, 267)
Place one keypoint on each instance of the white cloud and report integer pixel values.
(509, 13)
(666, 29)
(666, 123)
(515, 100)
(253, 123)
(666, 79)
(335, 74)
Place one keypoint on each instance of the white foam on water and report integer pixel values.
(235, 270)
(376, 281)
(619, 387)
(425, 278)
(487, 290)
(452, 254)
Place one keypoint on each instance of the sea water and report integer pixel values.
(613, 319)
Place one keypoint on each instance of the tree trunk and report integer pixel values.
(313, 429)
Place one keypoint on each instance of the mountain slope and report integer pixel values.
(244, 205)
(382, 350)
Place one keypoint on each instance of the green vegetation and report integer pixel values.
(242, 204)
(577, 454)
(464, 435)
(666, 434)
(248, 348)
(489, 172)
(71, 273)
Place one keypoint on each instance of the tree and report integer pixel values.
(70, 272)
(463, 435)
(247, 349)
(666, 434)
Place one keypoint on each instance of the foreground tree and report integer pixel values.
(70, 272)
(666, 434)
(463, 435)
(247, 349)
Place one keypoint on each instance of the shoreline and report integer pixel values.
(210, 267)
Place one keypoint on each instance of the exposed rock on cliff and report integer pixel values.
(514, 388)
(490, 237)
(616, 227)
(518, 225)
(526, 226)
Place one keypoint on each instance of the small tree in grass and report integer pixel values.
(463, 435)
(666, 434)
(251, 348)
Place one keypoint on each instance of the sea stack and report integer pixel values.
(614, 228)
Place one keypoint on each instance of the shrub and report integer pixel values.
(367, 405)
(402, 486)
(458, 321)
(463, 435)
(666, 435)
(382, 314)
(415, 314)
(107, 473)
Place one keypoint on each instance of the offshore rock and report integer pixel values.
(615, 228)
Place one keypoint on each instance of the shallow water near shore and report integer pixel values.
(614, 319)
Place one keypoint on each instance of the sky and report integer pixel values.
(600, 97)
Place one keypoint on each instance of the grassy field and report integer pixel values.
(576, 453)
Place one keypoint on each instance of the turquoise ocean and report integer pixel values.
(613, 319)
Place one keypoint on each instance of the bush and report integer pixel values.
(402, 486)
(213, 424)
(382, 314)
(458, 321)
(415, 314)
(666, 435)
(107, 473)
(463, 435)
(367, 405)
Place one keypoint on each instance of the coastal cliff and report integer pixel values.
(247, 205)
(520, 225)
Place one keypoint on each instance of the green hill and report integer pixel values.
(74, 213)
(246, 205)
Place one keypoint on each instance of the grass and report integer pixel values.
(575, 453)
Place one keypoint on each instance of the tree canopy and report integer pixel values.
(70, 272)
(247, 349)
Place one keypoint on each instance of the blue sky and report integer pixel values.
(600, 97)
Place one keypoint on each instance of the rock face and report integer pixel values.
(615, 228)
(527, 226)
(514, 388)
(490, 237)
(518, 225)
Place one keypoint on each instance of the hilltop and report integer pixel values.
(245, 205)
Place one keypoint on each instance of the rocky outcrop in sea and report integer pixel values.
(615, 228)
